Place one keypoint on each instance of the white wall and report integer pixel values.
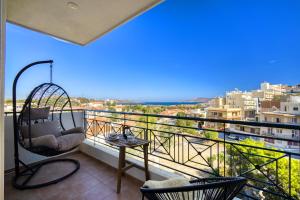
(110, 157)
(25, 155)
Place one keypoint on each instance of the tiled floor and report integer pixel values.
(94, 180)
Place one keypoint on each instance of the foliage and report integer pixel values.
(113, 115)
(83, 100)
(144, 109)
(8, 101)
(211, 134)
(245, 158)
(186, 126)
(109, 103)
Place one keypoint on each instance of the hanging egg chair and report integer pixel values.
(45, 126)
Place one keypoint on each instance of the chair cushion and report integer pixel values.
(174, 182)
(42, 128)
(69, 141)
(171, 183)
(73, 130)
(45, 141)
(36, 113)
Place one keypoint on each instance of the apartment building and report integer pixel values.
(289, 112)
(246, 129)
(217, 102)
(243, 100)
(292, 105)
(268, 91)
(293, 89)
(225, 113)
(269, 105)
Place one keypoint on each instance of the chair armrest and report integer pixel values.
(73, 130)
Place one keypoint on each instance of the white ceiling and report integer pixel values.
(77, 21)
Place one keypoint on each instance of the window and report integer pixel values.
(277, 120)
(285, 108)
(270, 130)
(278, 141)
(295, 109)
(294, 120)
(278, 130)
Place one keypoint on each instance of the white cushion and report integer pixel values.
(69, 141)
(45, 140)
(171, 183)
(42, 128)
(36, 113)
(174, 182)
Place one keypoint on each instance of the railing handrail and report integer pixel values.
(249, 123)
(65, 110)
(226, 131)
(258, 124)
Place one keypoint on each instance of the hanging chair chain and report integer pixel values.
(51, 72)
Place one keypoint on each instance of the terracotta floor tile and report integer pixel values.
(94, 180)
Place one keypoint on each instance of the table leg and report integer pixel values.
(120, 167)
(147, 175)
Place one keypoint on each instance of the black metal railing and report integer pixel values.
(186, 145)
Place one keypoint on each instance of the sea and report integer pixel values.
(153, 103)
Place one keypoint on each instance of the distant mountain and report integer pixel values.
(200, 99)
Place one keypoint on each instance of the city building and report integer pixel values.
(243, 100)
(268, 91)
(217, 102)
(288, 113)
(225, 113)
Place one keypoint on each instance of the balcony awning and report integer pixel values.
(77, 21)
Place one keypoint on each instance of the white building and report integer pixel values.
(289, 113)
(292, 105)
(217, 102)
(268, 91)
(243, 100)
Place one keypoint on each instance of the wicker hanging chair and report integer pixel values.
(220, 188)
(44, 127)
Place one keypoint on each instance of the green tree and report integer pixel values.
(8, 101)
(211, 134)
(186, 126)
(251, 155)
(83, 100)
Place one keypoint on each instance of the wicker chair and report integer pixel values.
(223, 188)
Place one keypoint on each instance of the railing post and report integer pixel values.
(124, 119)
(147, 128)
(124, 122)
(224, 148)
(84, 122)
(290, 174)
(94, 128)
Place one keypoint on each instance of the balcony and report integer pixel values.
(175, 150)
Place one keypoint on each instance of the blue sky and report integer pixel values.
(178, 50)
